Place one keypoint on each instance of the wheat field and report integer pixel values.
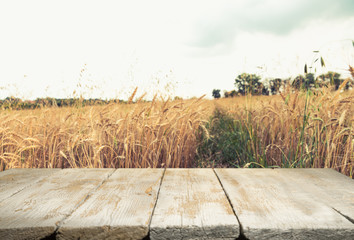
(156, 134)
(288, 134)
(288, 130)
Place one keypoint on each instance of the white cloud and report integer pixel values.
(129, 43)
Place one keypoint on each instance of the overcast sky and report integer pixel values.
(186, 47)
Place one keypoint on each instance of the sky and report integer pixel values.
(104, 49)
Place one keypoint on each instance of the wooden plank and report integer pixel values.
(328, 186)
(14, 180)
(120, 209)
(35, 212)
(192, 205)
(269, 205)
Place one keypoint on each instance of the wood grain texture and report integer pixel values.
(327, 186)
(192, 205)
(269, 205)
(35, 212)
(14, 180)
(120, 209)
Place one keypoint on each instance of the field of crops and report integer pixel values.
(287, 130)
(294, 129)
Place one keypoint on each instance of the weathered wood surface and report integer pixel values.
(192, 205)
(327, 186)
(120, 209)
(38, 210)
(14, 180)
(185, 204)
(270, 205)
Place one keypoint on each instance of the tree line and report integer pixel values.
(14, 103)
(247, 83)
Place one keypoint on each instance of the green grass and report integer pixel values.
(228, 143)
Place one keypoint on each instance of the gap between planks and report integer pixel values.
(278, 184)
(345, 216)
(157, 198)
(79, 204)
(242, 235)
(181, 223)
(54, 171)
(65, 231)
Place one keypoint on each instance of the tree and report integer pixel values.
(331, 78)
(304, 82)
(248, 83)
(216, 93)
(265, 90)
(298, 82)
(275, 85)
(310, 80)
(231, 94)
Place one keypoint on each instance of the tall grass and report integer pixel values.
(289, 130)
(227, 142)
(156, 134)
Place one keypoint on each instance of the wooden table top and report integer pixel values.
(176, 204)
